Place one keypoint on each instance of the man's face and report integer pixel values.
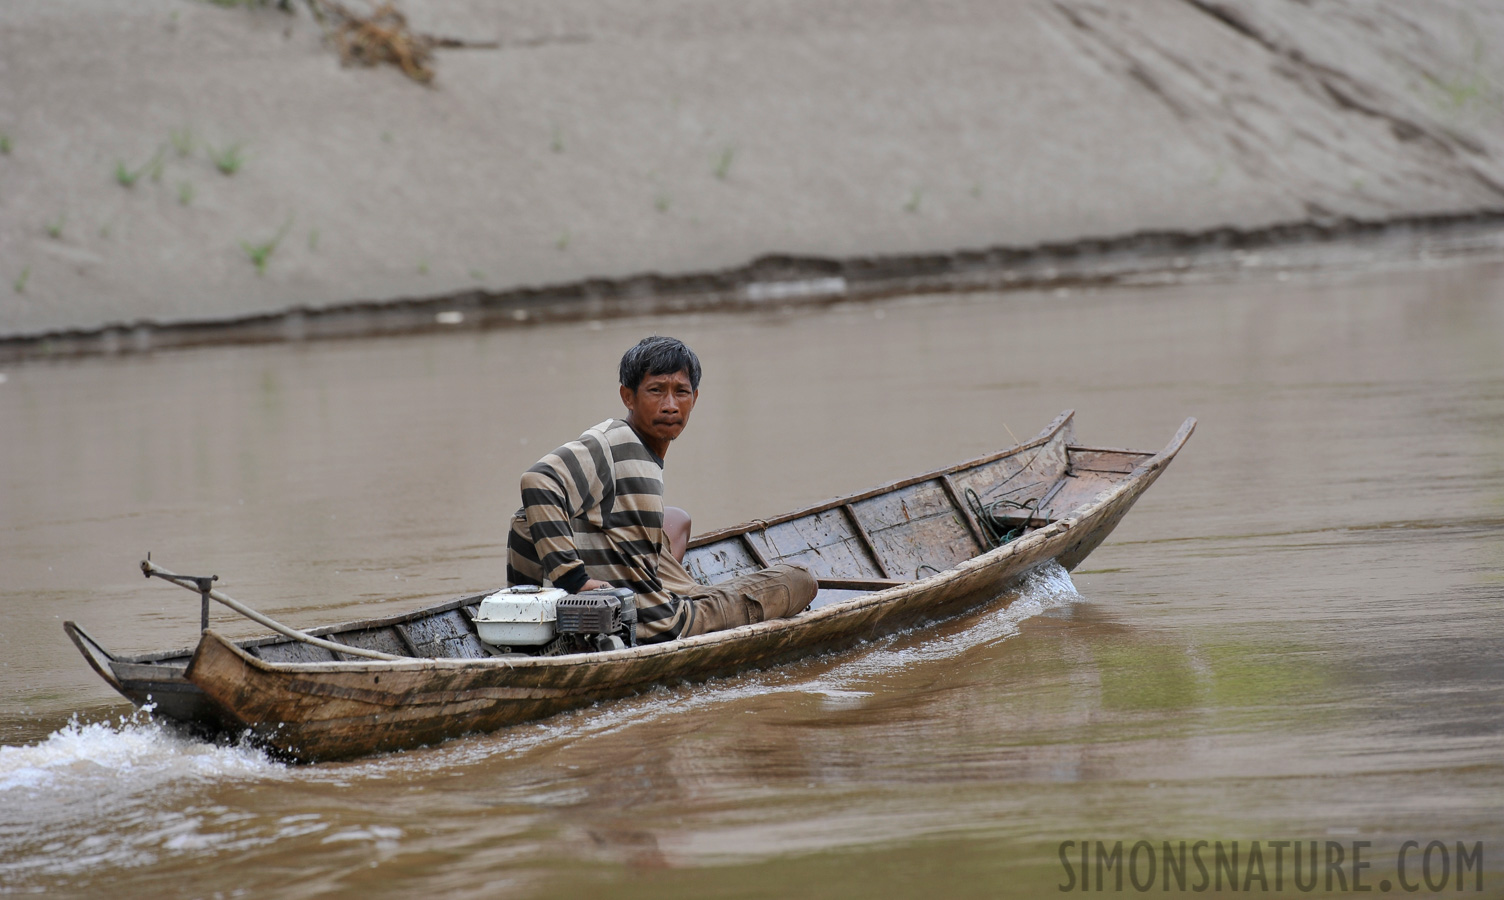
(660, 407)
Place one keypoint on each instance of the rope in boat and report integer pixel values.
(995, 527)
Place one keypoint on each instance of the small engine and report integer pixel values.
(605, 618)
(549, 622)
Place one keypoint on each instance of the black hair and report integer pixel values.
(659, 355)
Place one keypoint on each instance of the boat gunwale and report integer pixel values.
(1044, 437)
(1132, 481)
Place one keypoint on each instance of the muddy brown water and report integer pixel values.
(1295, 635)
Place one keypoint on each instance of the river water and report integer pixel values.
(1294, 636)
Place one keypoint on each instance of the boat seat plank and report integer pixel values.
(917, 526)
(1078, 488)
(445, 636)
(1121, 462)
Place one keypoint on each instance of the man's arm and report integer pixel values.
(566, 483)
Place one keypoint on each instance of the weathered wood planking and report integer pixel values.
(291, 652)
(385, 639)
(825, 542)
(917, 526)
(1075, 489)
(449, 635)
(1121, 462)
(1024, 476)
(718, 562)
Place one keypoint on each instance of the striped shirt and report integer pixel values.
(594, 509)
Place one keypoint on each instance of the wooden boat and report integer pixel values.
(916, 550)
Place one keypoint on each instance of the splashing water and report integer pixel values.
(138, 745)
(93, 794)
(1046, 587)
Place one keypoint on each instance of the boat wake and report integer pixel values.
(55, 794)
(150, 751)
(1045, 588)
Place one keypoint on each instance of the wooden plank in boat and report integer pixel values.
(1076, 489)
(1120, 461)
(385, 640)
(127, 671)
(291, 652)
(823, 541)
(721, 561)
(827, 596)
(917, 526)
(1023, 476)
(445, 636)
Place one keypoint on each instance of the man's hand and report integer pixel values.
(595, 585)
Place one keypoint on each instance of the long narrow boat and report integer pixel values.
(920, 549)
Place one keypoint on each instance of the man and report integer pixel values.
(592, 513)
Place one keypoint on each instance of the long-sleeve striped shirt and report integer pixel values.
(594, 509)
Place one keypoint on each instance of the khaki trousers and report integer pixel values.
(773, 593)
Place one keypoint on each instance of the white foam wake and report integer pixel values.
(1045, 588)
(110, 794)
(77, 755)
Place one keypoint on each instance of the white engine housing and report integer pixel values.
(520, 616)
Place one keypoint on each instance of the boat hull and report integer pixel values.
(339, 710)
(334, 709)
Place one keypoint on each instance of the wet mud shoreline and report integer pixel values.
(785, 280)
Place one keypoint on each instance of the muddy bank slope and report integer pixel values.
(602, 138)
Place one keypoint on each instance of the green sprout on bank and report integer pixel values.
(260, 253)
(125, 176)
(4, 143)
(313, 240)
(182, 141)
(723, 164)
(913, 205)
(1465, 87)
(55, 227)
(563, 242)
(422, 267)
(228, 160)
(477, 274)
(186, 193)
(20, 283)
(556, 144)
(661, 202)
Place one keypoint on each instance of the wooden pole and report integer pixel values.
(149, 568)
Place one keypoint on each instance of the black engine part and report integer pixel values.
(604, 613)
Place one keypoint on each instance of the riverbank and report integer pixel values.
(173, 166)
